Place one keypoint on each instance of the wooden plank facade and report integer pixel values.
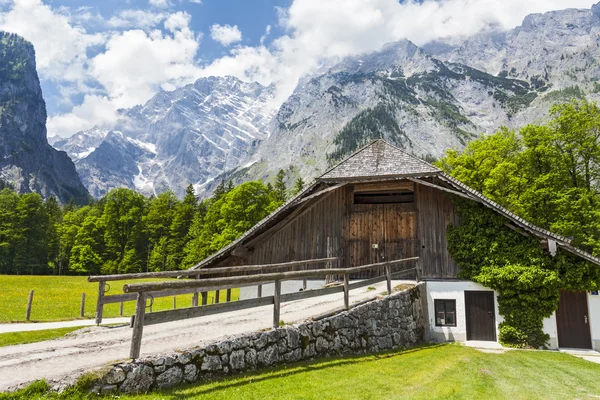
(335, 226)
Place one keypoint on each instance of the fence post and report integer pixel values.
(82, 311)
(216, 296)
(347, 291)
(99, 305)
(195, 299)
(29, 303)
(121, 309)
(388, 273)
(228, 295)
(276, 303)
(204, 298)
(174, 302)
(138, 326)
(259, 291)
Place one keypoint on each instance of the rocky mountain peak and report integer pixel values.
(26, 158)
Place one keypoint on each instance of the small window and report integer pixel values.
(384, 197)
(445, 312)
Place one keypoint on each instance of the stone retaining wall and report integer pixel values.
(391, 322)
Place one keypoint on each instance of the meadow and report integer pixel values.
(58, 298)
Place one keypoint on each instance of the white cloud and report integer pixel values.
(95, 110)
(196, 1)
(265, 35)
(160, 3)
(136, 63)
(225, 34)
(60, 45)
(142, 19)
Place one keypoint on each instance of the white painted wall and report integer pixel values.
(453, 290)
(551, 329)
(594, 319)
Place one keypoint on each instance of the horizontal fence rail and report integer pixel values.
(145, 290)
(207, 271)
(102, 280)
(203, 283)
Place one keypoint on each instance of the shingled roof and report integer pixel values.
(379, 159)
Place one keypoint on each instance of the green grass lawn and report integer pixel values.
(435, 372)
(12, 338)
(59, 298)
(448, 371)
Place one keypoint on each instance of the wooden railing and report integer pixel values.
(120, 298)
(144, 290)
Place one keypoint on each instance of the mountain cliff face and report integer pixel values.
(189, 135)
(26, 159)
(425, 100)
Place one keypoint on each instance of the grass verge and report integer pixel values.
(12, 338)
(58, 298)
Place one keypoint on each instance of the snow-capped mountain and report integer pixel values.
(424, 99)
(189, 135)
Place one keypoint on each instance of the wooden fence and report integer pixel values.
(144, 290)
(104, 286)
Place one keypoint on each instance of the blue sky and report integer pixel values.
(94, 57)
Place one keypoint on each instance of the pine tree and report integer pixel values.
(298, 186)
(280, 188)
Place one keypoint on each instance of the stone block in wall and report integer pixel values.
(171, 377)
(251, 358)
(114, 376)
(211, 363)
(293, 338)
(237, 360)
(138, 380)
(190, 373)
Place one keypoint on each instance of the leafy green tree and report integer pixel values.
(88, 245)
(180, 228)
(548, 174)
(194, 249)
(157, 223)
(123, 222)
(229, 217)
(32, 255)
(54, 213)
(11, 236)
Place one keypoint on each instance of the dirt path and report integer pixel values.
(65, 359)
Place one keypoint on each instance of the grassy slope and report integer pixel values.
(12, 338)
(437, 372)
(59, 298)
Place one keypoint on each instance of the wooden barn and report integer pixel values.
(382, 203)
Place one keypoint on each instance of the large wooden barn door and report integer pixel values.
(380, 232)
(572, 321)
(480, 315)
